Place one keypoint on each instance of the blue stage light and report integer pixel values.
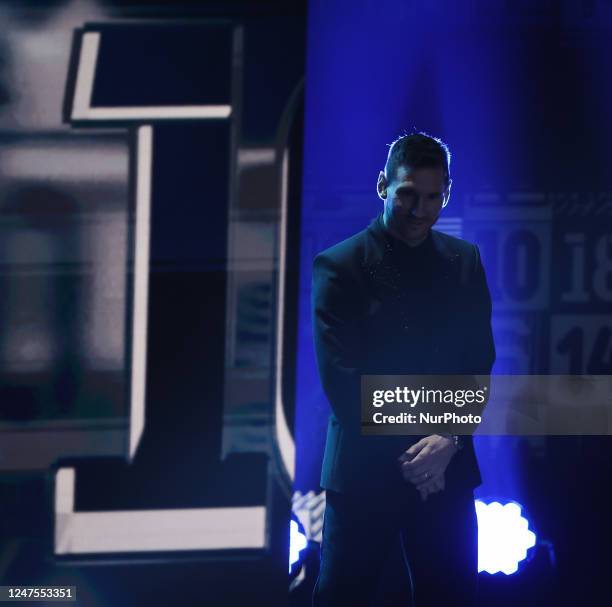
(297, 543)
(503, 537)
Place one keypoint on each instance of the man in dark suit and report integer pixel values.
(399, 298)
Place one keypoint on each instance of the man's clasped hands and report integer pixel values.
(424, 464)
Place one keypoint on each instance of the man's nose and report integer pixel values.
(417, 206)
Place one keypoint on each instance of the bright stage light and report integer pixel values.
(297, 543)
(503, 537)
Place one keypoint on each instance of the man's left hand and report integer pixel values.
(426, 459)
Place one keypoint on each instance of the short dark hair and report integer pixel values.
(417, 150)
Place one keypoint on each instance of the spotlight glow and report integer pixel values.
(503, 537)
(297, 543)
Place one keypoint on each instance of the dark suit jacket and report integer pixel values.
(370, 317)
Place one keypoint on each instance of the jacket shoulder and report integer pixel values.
(345, 252)
(459, 245)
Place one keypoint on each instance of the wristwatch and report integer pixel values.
(457, 440)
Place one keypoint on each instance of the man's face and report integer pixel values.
(414, 200)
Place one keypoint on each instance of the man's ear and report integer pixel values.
(381, 185)
(447, 192)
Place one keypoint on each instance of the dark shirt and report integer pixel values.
(413, 261)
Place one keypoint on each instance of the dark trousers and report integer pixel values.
(439, 539)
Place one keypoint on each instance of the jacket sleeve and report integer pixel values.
(480, 348)
(337, 340)
(479, 352)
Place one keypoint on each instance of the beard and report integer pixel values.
(411, 227)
